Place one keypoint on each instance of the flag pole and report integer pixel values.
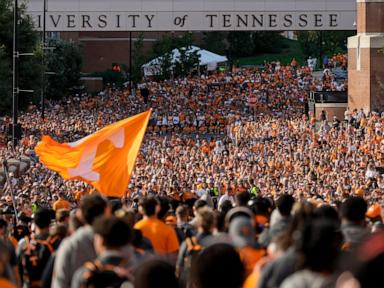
(5, 165)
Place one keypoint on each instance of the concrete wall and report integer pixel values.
(332, 109)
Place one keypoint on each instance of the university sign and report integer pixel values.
(194, 15)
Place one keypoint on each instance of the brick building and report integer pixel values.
(366, 58)
(101, 49)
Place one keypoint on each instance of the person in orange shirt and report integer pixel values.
(80, 194)
(61, 203)
(4, 283)
(4, 263)
(9, 252)
(162, 236)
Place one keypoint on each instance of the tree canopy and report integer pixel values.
(187, 60)
(64, 61)
(320, 43)
(29, 67)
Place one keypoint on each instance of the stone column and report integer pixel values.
(366, 58)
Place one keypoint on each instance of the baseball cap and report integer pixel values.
(237, 212)
(242, 232)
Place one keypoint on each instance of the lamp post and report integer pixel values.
(130, 62)
(15, 70)
(321, 40)
(16, 129)
(43, 74)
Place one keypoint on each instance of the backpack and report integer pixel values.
(183, 231)
(99, 275)
(193, 249)
(34, 258)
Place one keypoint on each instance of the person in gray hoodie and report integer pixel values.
(78, 248)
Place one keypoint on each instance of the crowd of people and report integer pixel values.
(334, 76)
(337, 60)
(234, 186)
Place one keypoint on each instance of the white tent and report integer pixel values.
(206, 58)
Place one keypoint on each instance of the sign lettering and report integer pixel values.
(196, 15)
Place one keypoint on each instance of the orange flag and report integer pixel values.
(104, 159)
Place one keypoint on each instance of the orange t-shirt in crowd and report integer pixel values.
(79, 195)
(163, 237)
(4, 283)
(261, 219)
(252, 280)
(14, 242)
(61, 204)
(249, 256)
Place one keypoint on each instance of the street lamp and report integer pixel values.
(15, 69)
(130, 63)
(16, 130)
(43, 74)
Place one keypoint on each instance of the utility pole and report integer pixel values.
(43, 74)
(15, 75)
(16, 130)
(130, 62)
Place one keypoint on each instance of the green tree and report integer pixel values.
(267, 42)
(166, 66)
(187, 61)
(162, 51)
(6, 82)
(320, 43)
(65, 61)
(215, 42)
(163, 48)
(169, 42)
(189, 58)
(164, 45)
(29, 66)
(185, 40)
(240, 44)
(139, 59)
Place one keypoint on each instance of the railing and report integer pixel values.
(328, 97)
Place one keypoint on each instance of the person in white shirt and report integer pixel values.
(165, 120)
(219, 148)
(371, 171)
(347, 115)
(176, 119)
(310, 63)
(278, 66)
(201, 191)
(228, 195)
(159, 121)
(200, 118)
